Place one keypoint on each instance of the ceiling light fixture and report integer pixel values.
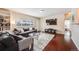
(42, 10)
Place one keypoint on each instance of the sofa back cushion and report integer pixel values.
(26, 29)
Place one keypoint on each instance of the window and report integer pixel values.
(24, 22)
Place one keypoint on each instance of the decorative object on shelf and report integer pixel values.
(1, 20)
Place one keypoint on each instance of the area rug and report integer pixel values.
(42, 40)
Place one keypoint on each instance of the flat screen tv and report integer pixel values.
(51, 21)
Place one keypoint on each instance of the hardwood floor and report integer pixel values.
(58, 43)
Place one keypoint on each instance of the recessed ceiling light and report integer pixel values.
(42, 10)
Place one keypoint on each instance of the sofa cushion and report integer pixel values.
(8, 41)
(26, 29)
(2, 47)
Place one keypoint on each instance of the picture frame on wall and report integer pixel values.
(51, 21)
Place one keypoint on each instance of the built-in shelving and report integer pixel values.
(4, 23)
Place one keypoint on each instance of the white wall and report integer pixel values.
(40, 24)
(18, 16)
(75, 28)
(59, 26)
(75, 34)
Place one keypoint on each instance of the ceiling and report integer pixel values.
(41, 12)
(4, 12)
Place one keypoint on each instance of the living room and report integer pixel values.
(29, 26)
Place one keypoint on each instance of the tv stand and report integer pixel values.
(52, 31)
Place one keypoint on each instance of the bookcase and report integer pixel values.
(4, 23)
